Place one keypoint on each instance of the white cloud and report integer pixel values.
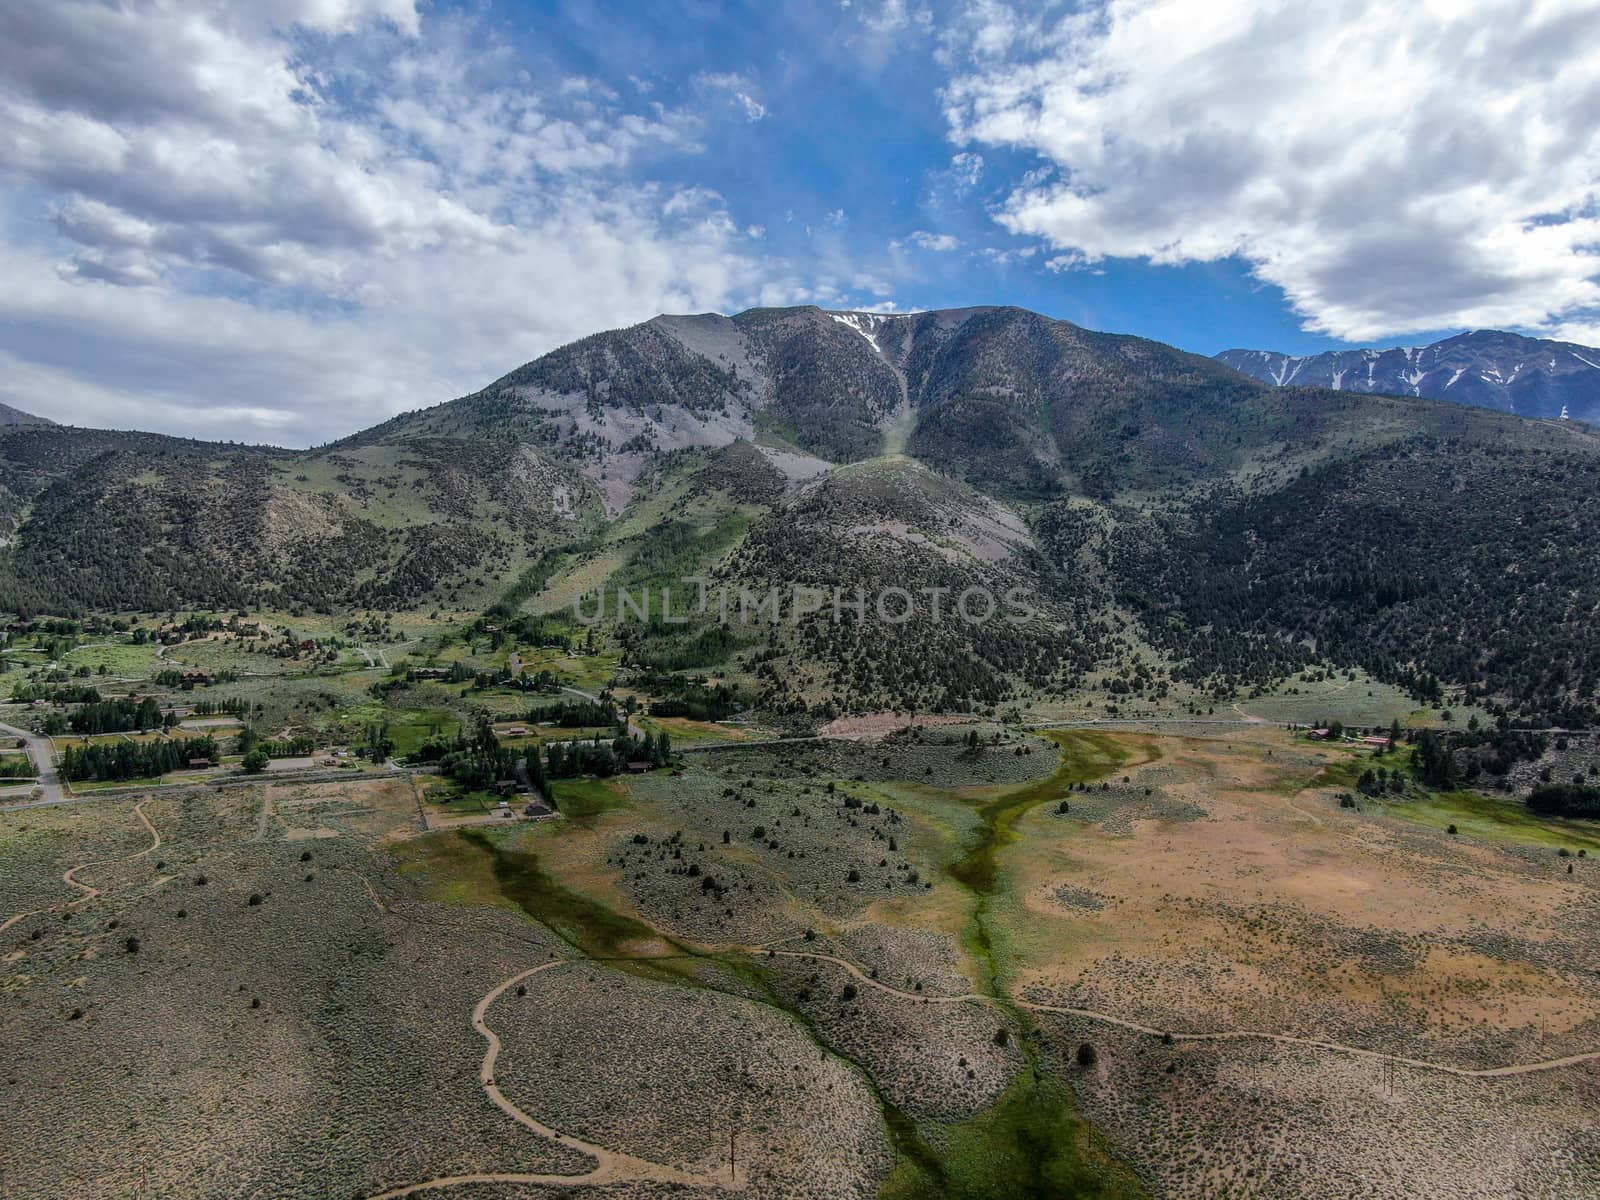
(739, 89)
(966, 169)
(894, 17)
(938, 243)
(1392, 165)
(226, 224)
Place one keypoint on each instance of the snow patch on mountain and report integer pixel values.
(1528, 376)
(863, 323)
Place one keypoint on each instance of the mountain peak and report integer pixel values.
(1489, 368)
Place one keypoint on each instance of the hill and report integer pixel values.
(15, 416)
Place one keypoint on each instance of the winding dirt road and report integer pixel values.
(1224, 1035)
(611, 1166)
(90, 892)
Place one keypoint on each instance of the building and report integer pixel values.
(639, 767)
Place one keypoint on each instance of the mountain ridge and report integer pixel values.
(1488, 368)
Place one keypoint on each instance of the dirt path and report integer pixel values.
(611, 1166)
(90, 892)
(614, 1166)
(264, 818)
(1229, 1035)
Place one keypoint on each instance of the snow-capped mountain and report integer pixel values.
(1488, 368)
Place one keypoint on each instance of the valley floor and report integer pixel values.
(1159, 961)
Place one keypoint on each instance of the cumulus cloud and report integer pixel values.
(1392, 165)
(287, 221)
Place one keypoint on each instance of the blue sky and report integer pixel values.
(284, 220)
(854, 123)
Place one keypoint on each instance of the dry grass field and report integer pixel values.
(847, 968)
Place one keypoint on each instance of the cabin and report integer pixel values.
(429, 673)
(505, 787)
(639, 767)
(516, 731)
(198, 763)
(1319, 735)
(1380, 743)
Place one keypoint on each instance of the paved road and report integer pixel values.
(42, 751)
(634, 730)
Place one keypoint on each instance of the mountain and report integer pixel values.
(15, 416)
(1183, 528)
(102, 520)
(1527, 376)
(1009, 399)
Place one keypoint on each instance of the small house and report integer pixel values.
(1319, 735)
(639, 767)
(199, 763)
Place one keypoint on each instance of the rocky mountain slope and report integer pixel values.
(1176, 521)
(15, 416)
(1527, 376)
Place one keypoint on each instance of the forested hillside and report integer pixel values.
(1175, 522)
(1433, 561)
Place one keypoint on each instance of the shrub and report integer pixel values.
(1087, 1055)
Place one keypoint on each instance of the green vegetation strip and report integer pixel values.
(1029, 1145)
(1502, 822)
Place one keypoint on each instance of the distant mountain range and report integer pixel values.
(1527, 376)
(1182, 525)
